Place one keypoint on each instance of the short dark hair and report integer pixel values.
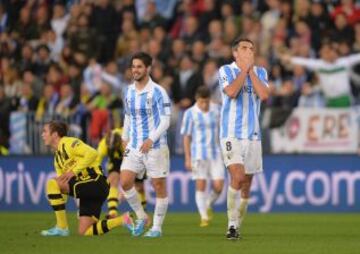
(237, 41)
(59, 127)
(203, 92)
(143, 57)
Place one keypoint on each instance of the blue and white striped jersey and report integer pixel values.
(144, 109)
(240, 116)
(203, 127)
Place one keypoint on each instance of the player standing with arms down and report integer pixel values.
(79, 176)
(147, 118)
(200, 128)
(244, 86)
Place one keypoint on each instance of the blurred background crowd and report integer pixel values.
(71, 58)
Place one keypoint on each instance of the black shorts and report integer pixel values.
(140, 180)
(113, 166)
(91, 192)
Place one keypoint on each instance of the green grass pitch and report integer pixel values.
(262, 233)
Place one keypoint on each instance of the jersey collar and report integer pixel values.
(148, 87)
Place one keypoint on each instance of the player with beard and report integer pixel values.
(147, 118)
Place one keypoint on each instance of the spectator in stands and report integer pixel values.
(82, 38)
(4, 20)
(42, 23)
(333, 72)
(92, 76)
(35, 82)
(215, 31)
(106, 106)
(10, 79)
(209, 78)
(198, 53)
(25, 27)
(42, 61)
(155, 51)
(190, 32)
(105, 20)
(75, 78)
(185, 84)
(128, 34)
(351, 11)
(47, 103)
(55, 44)
(26, 61)
(178, 50)
(268, 23)
(320, 23)
(28, 101)
(230, 30)
(160, 77)
(111, 76)
(55, 76)
(342, 30)
(67, 102)
(59, 20)
(227, 11)
(152, 17)
(160, 35)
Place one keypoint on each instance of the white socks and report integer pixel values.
(243, 209)
(200, 199)
(212, 198)
(134, 202)
(232, 206)
(159, 213)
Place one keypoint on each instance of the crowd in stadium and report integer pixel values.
(71, 58)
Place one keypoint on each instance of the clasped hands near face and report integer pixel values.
(246, 63)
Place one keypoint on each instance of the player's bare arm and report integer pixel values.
(234, 88)
(146, 146)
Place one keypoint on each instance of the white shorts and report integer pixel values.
(155, 162)
(204, 169)
(243, 151)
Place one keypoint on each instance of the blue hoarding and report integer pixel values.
(290, 183)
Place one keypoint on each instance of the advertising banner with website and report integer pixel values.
(317, 131)
(290, 183)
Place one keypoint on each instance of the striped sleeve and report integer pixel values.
(187, 124)
(127, 96)
(225, 77)
(263, 76)
(164, 103)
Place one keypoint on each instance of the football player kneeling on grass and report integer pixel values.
(79, 176)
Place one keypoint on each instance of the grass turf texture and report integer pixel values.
(262, 233)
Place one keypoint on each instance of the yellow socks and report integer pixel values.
(104, 226)
(57, 202)
(113, 201)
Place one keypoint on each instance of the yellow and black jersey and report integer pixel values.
(73, 154)
(111, 146)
